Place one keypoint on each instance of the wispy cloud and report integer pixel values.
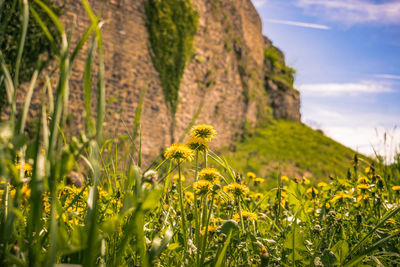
(388, 76)
(337, 89)
(299, 24)
(354, 11)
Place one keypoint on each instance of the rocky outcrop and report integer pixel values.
(227, 74)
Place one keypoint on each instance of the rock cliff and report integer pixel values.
(232, 74)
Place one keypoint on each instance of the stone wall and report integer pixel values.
(225, 74)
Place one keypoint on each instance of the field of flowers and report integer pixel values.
(83, 200)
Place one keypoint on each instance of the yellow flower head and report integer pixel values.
(210, 230)
(189, 197)
(363, 180)
(203, 131)
(285, 178)
(179, 153)
(284, 195)
(257, 196)
(302, 180)
(202, 187)
(251, 175)
(340, 197)
(312, 192)
(247, 216)
(198, 144)
(176, 177)
(237, 189)
(396, 188)
(258, 180)
(362, 197)
(322, 184)
(362, 187)
(209, 174)
(26, 168)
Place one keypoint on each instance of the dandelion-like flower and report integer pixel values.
(285, 178)
(209, 174)
(362, 197)
(258, 180)
(247, 216)
(256, 196)
(340, 197)
(189, 197)
(198, 144)
(202, 187)
(363, 180)
(176, 177)
(312, 192)
(396, 188)
(203, 131)
(322, 184)
(26, 168)
(179, 153)
(211, 229)
(251, 175)
(363, 187)
(237, 189)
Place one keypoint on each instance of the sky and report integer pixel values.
(347, 57)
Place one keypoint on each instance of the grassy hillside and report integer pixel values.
(295, 147)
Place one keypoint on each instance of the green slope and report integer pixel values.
(294, 147)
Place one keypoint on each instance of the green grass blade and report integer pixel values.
(21, 45)
(28, 101)
(221, 256)
(87, 87)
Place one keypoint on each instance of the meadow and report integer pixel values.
(88, 200)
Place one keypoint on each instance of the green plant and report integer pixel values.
(38, 53)
(172, 26)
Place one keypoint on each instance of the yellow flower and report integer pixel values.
(312, 192)
(237, 189)
(327, 205)
(285, 178)
(302, 180)
(258, 180)
(257, 196)
(203, 131)
(362, 197)
(396, 188)
(340, 197)
(322, 184)
(198, 144)
(179, 153)
(26, 168)
(26, 191)
(209, 174)
(247, 216)
(202, 187)
(176, 177)
(391, 221)
(189, 197)
(363, 180)
(363, 187)
(284, 195)
(251, 175)
(210, 230)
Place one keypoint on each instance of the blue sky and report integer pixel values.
(347, 56)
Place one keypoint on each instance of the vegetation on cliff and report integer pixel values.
(172, 26)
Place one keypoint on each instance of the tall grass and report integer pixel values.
(123, 215)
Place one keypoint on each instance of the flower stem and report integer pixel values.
(182, 209)
(203, 250)
(196, 212)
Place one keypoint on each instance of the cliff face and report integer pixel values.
(228, 73)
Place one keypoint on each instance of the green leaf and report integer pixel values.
(341, 248)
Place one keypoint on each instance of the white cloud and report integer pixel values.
(259, 3)
(388, 76)
(299, 24)
(336, 89)
(354, 11)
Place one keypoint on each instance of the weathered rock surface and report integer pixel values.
(227, 73)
